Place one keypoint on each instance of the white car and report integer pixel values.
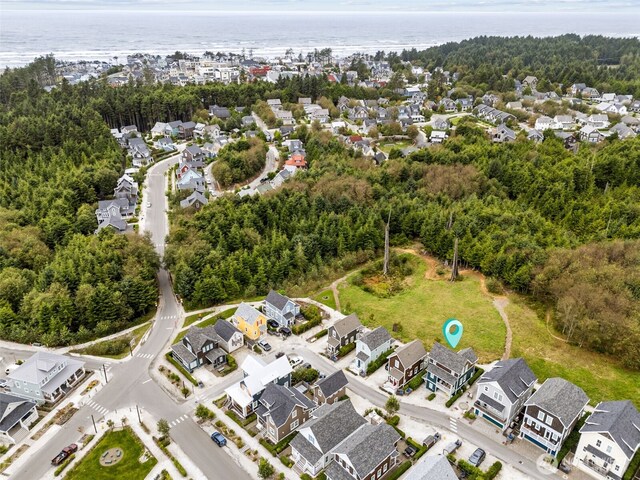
(295, 360)
(148, 204)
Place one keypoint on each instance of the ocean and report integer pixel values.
(103, 35)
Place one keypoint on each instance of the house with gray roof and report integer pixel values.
(405, 363)
(281, 410)
(609, 439)
(623, 131)
(281, 309)
(16, 416)
(432, 467)
(369, 347)
(196, 200)
(113, 214)
(219, 112)
(331, 388)
(502, 134)
(369, 452)
(449, 371)
(201, 346)
(312, 449)
(342, 333)
(551, 413)
(45, 377)
(503, 390)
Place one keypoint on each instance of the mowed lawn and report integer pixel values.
(598, 375)
(424, 306)
(129, 468)
(326, 298)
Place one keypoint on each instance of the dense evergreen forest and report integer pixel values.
(59, 283)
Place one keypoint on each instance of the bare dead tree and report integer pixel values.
(385, 266)
(454, 265)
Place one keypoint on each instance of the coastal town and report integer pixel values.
(287, 386)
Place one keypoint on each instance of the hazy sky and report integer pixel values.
(333, 5)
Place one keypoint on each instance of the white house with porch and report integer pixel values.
(16, 416)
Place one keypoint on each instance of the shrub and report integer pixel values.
(278, 447)
(392, 405)
(470, 415)
(416, 381)
(346, 349)
(180, 368)
(321, 333)
(393, 421)
(303, 327)
(286, 461)
(494, 286)
(397, 473)
(203, 413)
(64, 465)
(179, 466)
(453, 399)
(431, 397)
(257, 349)
(308, 375)
(572, 440)
(479, 371)
(265, 469)
(493, 471)
(243, 422)
(633, 467)
(311, 313)
(343, 397)
(381, 360)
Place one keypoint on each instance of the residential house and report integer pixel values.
(632, 122)
(330, 425)
(565, 122)
(45, 377)
(331, 388)
(113, 214)
(368, 453)
(140, 153)
(126, 188)
(251, 322)
(622, 131)
(282, 176)
(285, 116)
(590, 93)
(190, 179)
(465, 104)
(185, 130)
(369, 347)
(281, 309)
(171, 128)
(577, 88)
(274, 103)
(222, 113)
(247, 121)
(609, 439)
(342, 333)
(492, 115)
(304, 100)
(441, 123)
(164, 143)
(230, 338)
(196, 200)
(551, 413)
(200, 346)
(16, 416)
(438, 136)
(590, 134)
(432, 467)
(530, 81)
(243, 397)
(635, 106)
(405, 363)
(502, 134)
(281, 410)
(158, 129)
(295, 162)
(449, 371)
(615, 108)
(194, 156)
(568, 139)
(447, 105)
(129, 129)
(209, 132)
(545, 123)
(502, 391)
(535, 136)
(514, 105)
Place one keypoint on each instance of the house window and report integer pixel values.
(617, 468)
(486, 389)
(609, 449)
(549, 420)
(379, 472)
(541, 415)
(397, 363)
(294, 414)
(294, 424)
(384, 469)
(598, 443)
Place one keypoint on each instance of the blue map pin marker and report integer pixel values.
(452, 330)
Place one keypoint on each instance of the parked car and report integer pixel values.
(431, 440)
(477, 457)
(64, 454)
(295, 360)
(264, 345)
(286, 331)
(452, 447)
(272, 332)
(410, 451)
(3, 383)
(148, 204)
(306, 365)
(279, 354)
(273, 324)
(219, 439)
(563, 467)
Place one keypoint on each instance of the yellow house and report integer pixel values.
(250, 321)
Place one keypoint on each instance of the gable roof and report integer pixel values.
(368, 447)
(277, 300)
(561, 398)
(333, 383)
(348, 324)
(512, 375)
(432, 467)
(41, 365)
(411, 353)
(455, 361)
(330, 425)
(12, 409)
(375, 338)
(198, 336)
(225, 329)
(621, 420)
(278, 401)
(248, 313)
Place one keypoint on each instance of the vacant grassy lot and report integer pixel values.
(117, 347)
(599, 376)
(129, 468)
(387, 146)
(209, 321)
(423, 307)
(326, 298)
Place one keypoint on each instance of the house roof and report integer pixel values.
(193, 198)
(491, 402)
(332, 383)
(42, 365)
(411, 353)
(225, 329)
(276, 300)
(257, 375)
(513, 376)
(432, 467)
(198, 336)
(248, 313)
(375, 338)
(369, 446)
(455, 361)
(348, 324)
(183, 352)
(560, 398)
(619, 419)
(330, 425)
(279, 401)
(12, 409)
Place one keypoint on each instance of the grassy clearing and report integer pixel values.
(423, 307)
(387, 146)
(209, 321)
(129, 468)
(117, 347)
(326, 298)
(598, 375)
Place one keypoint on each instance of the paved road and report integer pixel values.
(130, 383)
(271, 165)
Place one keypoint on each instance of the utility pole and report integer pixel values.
(454, 267)
(385, 266)
(94, 423)
(104, 369)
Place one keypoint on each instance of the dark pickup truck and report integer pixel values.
(64, 454)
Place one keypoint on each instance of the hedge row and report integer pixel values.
(381, 360)
(180, 368)
(278, 447)
(397, 473)
(346, 349)
(572, 440)
(308, 325)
